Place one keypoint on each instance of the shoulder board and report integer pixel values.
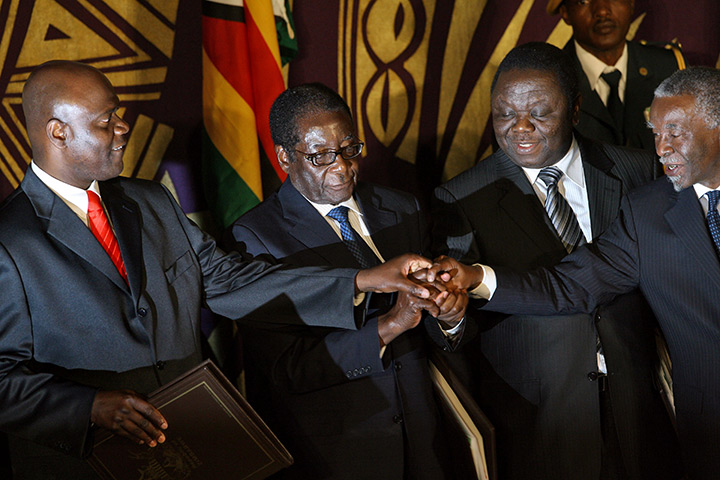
(673, 46)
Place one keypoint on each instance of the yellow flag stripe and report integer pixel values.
(262, 15)
(230, 124)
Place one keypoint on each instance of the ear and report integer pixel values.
(564, 13)
(283, 158)
(575, 111)
(57, 132)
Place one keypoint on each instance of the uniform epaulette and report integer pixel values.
(673, 46)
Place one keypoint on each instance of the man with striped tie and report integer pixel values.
(570, 396)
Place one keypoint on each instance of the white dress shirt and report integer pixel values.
(594, 67)
(75, 198)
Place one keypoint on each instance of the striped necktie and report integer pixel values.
(357, 246)
(102, 230)
(559, 211)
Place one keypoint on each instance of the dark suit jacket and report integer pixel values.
(69, 324)
(342, 411)
(532, 375)
(660, 243)
(648, 65)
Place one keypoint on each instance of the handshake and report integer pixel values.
(419, 276)
(439, 288)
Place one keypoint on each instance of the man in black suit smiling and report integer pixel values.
(562, 409)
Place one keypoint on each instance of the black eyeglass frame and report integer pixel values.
(312, 157)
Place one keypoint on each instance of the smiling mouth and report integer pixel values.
(119, 148)
(524, 146)
(672, 169)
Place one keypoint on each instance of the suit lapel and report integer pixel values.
(519, 196)
(604, 191)
(66, 228)
(687, 220)
(125, 217)
(379, 220)
(308, 227)
(591, 103)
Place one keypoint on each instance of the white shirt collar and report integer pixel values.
(594, 67)
(70, 194)
(570, 164)
(324, 208)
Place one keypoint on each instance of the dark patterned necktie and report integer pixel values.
(357, 246)
(614, 105)
(713, 218)
(559, 211)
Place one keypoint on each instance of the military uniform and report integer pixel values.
(648, 65)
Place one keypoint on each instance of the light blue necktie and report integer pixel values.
(357, 246)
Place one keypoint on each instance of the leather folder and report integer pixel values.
(213, 433)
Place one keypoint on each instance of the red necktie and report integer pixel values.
(102, 230)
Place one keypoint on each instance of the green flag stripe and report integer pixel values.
(228, 196)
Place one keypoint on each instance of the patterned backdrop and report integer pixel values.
(415, 72)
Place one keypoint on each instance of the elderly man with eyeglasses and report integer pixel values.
(348, 404)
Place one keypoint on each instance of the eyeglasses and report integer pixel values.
(586, 3)
(328, 157)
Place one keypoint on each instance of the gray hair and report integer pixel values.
(702, 83)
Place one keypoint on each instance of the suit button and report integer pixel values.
(398, 366)
(592, 376)
(398, 419)
(368, 369)
(142, 312)
(356, 372)
(348, 374)
(160, 365)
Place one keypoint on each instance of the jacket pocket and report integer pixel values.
(180, 266)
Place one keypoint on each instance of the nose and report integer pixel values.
(341, 166)
(523, 124)
(600, 8)
(663, 146)
(121, 127)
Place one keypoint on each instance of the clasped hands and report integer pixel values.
(436, 287)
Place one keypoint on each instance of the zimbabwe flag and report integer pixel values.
(242, 75)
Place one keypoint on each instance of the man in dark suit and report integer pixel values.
(561, 409)
(347, 404)
(665, 241)
(598, 48)
(95, 309)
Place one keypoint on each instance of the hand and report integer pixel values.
(404, 315)
(392, 276)
(452, 308)
(124, 413)
(456, 275)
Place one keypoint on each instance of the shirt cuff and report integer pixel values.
(450, 333)
(359, 299)
(487, 287)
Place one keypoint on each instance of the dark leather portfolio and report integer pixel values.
(213, 433)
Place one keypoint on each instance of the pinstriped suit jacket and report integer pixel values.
(661, 244)
(530, 373)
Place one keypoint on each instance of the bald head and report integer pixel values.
(75, 133)
(51, 88)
